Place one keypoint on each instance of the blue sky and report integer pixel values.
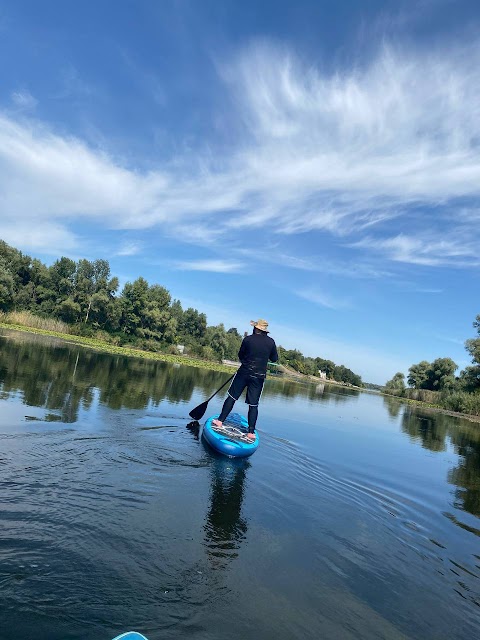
(313, 163)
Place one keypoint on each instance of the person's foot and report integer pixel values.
(217, 423)
(251, 436)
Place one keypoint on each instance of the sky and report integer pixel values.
(314, 163)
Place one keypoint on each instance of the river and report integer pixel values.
(358, 516)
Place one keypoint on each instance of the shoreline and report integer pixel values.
(105, 347)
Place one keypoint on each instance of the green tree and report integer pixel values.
(326, 366)
(216, 339)
(192, 325)
(234, 340)
(7, 287)
(343, 374)
(441, 374)
(396, 385)
(69, 311)
(473, 344)
(17, 263)
(61, 278)
(158, 322)
(93, 287)
(418, 375)
(469, 379)
(133, 302)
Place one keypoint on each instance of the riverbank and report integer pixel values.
(97, 345)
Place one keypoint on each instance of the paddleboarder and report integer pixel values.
(255, 352)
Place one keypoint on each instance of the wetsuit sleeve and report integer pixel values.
(273, 357)
(241, 353)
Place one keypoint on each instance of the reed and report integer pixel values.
(28, 319)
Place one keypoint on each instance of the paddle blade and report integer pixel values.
(199, 411)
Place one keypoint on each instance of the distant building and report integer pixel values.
(181, 348)
(322, 375)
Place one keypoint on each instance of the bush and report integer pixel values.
(82, 329)
(462, 402)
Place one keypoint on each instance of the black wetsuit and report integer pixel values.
(255, 352)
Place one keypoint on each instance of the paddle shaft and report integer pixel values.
(199, 411)
(223, 385)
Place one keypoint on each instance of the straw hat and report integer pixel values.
(260, 324)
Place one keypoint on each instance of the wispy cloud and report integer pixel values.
(355, 269)
(129, 249)
(216, 266)
(431, 251)
(24, 100)
(323, 299)
(347, 154)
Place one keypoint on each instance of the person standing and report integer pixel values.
(255, 352)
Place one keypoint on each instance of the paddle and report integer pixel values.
(199, 411)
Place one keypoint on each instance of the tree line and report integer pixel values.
(85, 296)
(436, 381)
(312, 366)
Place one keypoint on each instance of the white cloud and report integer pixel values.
(216, 266)
(432, 251)
(346, 154)
(37, 235)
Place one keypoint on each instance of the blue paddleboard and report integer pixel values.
(231, 439)
(130, 635)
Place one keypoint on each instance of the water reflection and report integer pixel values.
(393, 406)
(435, 431)
(64, 378)
(467, 474)
(126, 518)
(225, 528)
(430, 429)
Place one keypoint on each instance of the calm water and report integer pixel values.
(358, 517)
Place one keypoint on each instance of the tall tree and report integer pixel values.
(418, 375)
(396, 385)
(7, 287)
(134, 300)
(441, 374)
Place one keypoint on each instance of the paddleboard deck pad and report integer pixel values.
(231, 438)
(130, 635)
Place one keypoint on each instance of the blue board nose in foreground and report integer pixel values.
(130, 635)
(231, 439)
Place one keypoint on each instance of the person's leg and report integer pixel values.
(254, 392)
(252, 418)
(227, 407)
(238, 385)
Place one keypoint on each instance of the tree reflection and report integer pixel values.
(466, 476)
(61, 377)
(393, 406)
(428, 428)
(433, 431)
(224, 526)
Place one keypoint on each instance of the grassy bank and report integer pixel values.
(98, 345)
(446, 407)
